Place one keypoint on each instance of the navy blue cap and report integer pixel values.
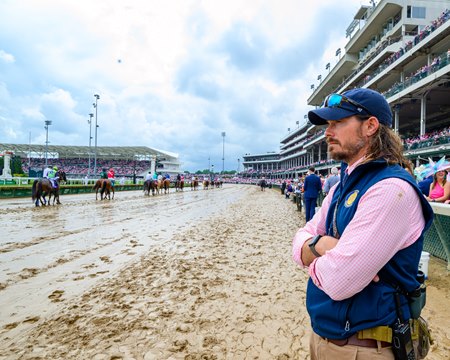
(370, 99)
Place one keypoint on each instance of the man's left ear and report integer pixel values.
(372, 125)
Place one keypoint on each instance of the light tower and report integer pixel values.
(47, 124)
(96, 127)
(91, 115)
(223, 152)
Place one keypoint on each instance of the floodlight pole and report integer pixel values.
(90, 139)
(223, 152)
(47, 124)
(96, 127)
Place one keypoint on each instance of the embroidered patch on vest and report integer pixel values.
(350, 199)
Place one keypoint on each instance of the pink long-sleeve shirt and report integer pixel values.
(389, 218)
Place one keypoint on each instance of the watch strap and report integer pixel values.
(312, 245)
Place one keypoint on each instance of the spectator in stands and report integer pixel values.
(439, 188)
(367, 236)
(331, 180)
(312, 187)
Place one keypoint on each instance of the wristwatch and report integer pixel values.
(312, 245)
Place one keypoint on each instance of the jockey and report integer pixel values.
(182, 177)
(148, 176)
(103, 174)
(46, 171)
(178, 177)
(160, 177)
(111, 176)
(167, 176)
(155, 176)
(52, 176)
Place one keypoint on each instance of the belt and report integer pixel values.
(353, 340)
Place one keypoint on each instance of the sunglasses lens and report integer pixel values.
(334, 100)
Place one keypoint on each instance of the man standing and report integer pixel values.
(332, 180)
(364, 245)
(312, 187)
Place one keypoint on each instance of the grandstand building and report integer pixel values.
(261, 163)
(127, 161)
(401, 49)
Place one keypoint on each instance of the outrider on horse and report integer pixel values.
(44, 186)
(106, 188)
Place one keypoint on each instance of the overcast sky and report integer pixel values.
(171, 75)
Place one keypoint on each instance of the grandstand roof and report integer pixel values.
(103, 152)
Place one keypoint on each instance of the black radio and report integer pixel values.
(402, 344)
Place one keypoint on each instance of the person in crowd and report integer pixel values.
(86, 180)
(363, 247)
(312, 187)
(112, 176)
(439, 188)
(122, 180)
(283, 187)
(332, 180)
(424, 185)
(104, 174)
(289, 190)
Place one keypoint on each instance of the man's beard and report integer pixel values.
(347, 152)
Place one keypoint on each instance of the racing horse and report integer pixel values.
(105, 187)
(194, 184)
(151, 185)
(205, 184)
(166, 185)
(43, 187)
(179, 185)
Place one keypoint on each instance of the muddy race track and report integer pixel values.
(189, 275)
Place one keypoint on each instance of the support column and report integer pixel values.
(423, 113)
(396, 119)
(153, 164)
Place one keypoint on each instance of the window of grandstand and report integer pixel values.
(416, 12)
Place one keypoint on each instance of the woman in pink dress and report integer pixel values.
(439, 188)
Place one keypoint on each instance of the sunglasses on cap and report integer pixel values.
(337, 100)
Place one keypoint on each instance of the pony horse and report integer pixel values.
(150, 185)
(194, 184)
(43, 187)
(105, 187)
(179, 185)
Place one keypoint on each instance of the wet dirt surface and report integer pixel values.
(193, 275)
(45, 252)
